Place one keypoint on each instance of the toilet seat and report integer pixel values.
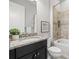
(54, 51)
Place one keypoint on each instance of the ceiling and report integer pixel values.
(62, 6)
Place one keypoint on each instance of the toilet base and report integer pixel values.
(56, 57)
(61, 57)
(54, 52)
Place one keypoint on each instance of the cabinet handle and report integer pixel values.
(38, 53)
(34, 56)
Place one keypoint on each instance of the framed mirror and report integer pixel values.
(22, 15)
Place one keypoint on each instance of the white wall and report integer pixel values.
(43, 14)
(51, 18)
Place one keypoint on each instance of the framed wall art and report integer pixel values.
(44, 26)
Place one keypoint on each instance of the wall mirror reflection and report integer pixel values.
(22, 15)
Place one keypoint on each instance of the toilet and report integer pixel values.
(54, 52)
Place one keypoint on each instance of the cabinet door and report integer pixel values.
(29, 56)
(42, 53)
(12, 54)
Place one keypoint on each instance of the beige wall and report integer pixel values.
(65, 24)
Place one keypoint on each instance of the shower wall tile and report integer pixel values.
(55, 30)
(63, 30)
(65, 20)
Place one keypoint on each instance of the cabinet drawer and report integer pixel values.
(42, 53)
(30, 48)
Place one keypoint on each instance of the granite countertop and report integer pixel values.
(26, 41)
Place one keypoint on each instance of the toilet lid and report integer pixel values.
(54, 49)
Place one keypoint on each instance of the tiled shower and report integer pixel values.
(60, 21)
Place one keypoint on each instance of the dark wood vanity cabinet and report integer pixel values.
(33, 51)
(29, 56)
(12, 54)
(42, 54)
(39, 54)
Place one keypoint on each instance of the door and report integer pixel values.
(42, 53)
(12, 54)
(39, 54)
(29, 56)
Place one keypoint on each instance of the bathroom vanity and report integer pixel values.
(23, 17)
(37, 50)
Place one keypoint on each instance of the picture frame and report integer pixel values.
(44, 26)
